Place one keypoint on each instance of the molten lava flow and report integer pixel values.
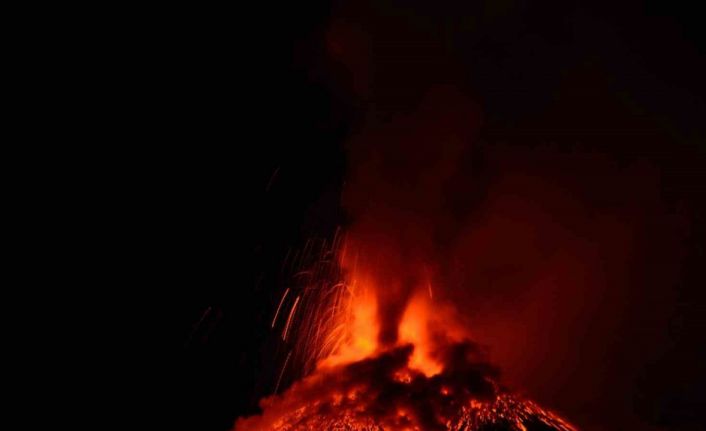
(432, 378)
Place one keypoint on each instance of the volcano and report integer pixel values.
(372, 335)
(384, 393)
(429, 375)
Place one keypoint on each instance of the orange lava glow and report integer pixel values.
(432, 377)
(359, 337)
(421, 321)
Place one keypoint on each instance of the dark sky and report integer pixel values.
(233, 143)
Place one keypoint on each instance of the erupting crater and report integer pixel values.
(429, 377)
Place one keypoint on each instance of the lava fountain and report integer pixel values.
(428, 375)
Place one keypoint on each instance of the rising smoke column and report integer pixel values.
(546, 250)
(396, 197)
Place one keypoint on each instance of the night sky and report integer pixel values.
(236, 129)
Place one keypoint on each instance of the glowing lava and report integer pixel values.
(432, 378)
